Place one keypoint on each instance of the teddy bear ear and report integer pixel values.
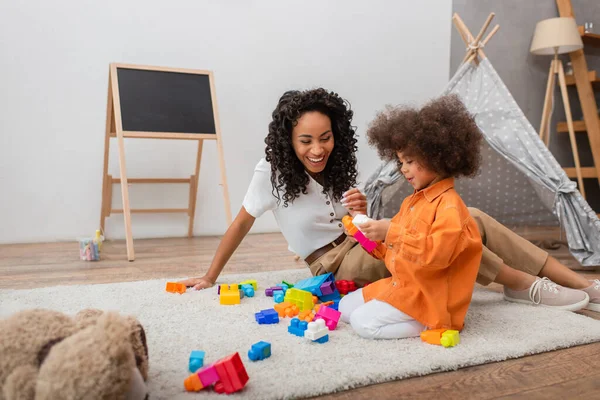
(20, 384)
(87, 317)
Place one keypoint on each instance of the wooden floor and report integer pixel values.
(564, 374)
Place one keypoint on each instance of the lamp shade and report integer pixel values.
(556, 34)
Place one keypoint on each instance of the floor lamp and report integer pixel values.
(556, 36)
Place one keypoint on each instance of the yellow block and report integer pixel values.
(301, 298)
(230, 294)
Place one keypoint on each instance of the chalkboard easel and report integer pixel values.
(159, 103)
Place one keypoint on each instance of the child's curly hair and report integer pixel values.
(340, 172)
(442, 136)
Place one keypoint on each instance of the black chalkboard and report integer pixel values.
(169, 102)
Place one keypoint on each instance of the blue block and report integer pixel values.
(313, 284)
(268, 316)
(335, 304)
(331, 297)
(196, 360)
(297, 327)
(248, 290)
(278, 296)
(259, 351)
(323, 339)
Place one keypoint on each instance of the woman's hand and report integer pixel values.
(198, 283)
(355, 202)
(375, 230)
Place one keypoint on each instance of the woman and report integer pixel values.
(307, 180)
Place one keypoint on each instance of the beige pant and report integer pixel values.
(501, 246)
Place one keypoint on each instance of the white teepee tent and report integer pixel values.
(521, 183)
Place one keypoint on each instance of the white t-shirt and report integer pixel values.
(308, 223)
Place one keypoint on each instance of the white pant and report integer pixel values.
(377, 319)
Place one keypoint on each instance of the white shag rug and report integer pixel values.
(177, 324)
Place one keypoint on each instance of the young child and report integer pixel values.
(433, 247)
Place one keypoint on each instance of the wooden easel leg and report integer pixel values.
(109, 116)
(565, 97)
(125, 197)
(194, 190)
(224, 183)
(547, 111)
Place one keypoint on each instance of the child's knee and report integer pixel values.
(362, 326)
(345, 308)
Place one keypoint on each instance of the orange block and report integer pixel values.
(350, 227)
(193, 383)
(174, 287)
(286, 309)
(306, 315)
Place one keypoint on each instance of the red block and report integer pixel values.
(345, 287)
(233, 374)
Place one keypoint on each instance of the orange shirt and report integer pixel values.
(433, 251)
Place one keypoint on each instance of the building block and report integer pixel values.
(443, 337)
(269, 291)
(327, 288)
(297, 327)
(335, 304)
(313, 284)
(329, 315)
(278, 296)
(201, 379)
(316, 330)
(248, 290)
(232, 374)
(259, 351)
(229, 295)
(289, 285)
(174, 287)
(322, 339)
(345, 287)
(241, 293)
(331, 297)
(306, 315)
(282, 287)
(286, 309)
(301, 298)
(196, 360)
(376, 249)
(251, 282)
(268, 316)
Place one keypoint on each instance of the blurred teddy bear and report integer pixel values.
(48, 355)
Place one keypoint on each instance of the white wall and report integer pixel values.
(53, 86)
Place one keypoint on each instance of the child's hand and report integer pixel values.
(375, 230)
(198, 283)
(355, 202)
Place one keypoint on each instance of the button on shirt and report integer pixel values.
(308, 223)
(433, 253)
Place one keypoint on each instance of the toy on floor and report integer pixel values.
(297, 327)
(301, 298)
(376, 249)
(322, 286)
(317, 331)
(229, 294)
(196, 360)
(228, 375)
(345, 287)
(174, 287)
(329, 315)
(286, 309)
(46, 354)
(268, 316)
(443, 337)
(259, 351)
(89, 249)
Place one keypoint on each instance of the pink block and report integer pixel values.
(329, 315)
(367, 244)
(208, 375)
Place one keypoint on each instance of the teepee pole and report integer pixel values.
(487, 23)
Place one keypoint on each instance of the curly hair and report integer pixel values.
(442, 136)
(340, 172)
